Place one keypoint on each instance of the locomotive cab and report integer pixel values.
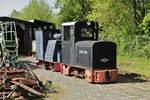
(73, 32)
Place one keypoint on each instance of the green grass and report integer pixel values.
(134, 64)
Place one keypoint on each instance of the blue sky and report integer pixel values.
(7, 6)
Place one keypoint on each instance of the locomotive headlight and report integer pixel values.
(88, 23)
(104, 60)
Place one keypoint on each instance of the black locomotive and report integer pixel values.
(83, 55)
(48, 43)
(80, 53)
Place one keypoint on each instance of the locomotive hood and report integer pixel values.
(96, 54)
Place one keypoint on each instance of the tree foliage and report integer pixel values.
(146, 24)
(15, 13)
(111, 14)
(115, 16)
(36, 9)
(72, 10)
(138, 11)
(121, 20)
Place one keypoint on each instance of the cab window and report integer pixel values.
(66, 33)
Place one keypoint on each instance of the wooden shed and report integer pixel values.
(24, 32)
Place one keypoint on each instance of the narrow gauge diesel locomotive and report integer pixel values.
(48, 44)
(83, 55)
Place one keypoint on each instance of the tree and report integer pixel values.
(72, 10)
(114, 15)
(15, 13)
(138, 11)
(36, 9)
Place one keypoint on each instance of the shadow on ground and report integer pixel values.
(131, 78)
(25, 63)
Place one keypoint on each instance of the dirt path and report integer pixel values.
(77, 89)
(127, 88)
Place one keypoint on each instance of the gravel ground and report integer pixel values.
(126, 88)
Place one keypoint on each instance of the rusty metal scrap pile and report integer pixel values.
(16, 82)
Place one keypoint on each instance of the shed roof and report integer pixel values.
(41, 22)
(5, 18)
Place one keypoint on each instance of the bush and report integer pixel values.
(146, 24)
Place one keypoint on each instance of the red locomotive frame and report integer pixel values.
(92, 76)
